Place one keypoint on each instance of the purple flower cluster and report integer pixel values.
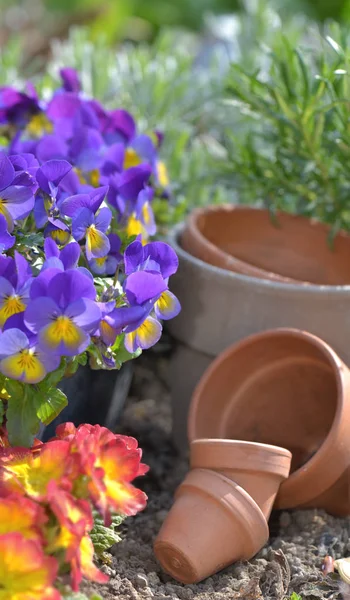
(83, 179)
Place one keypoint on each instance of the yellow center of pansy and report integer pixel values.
(131, 159)
(95, 177)
(38, 125)
(100, 261)
(24, 365)
(64, 329)
(81, 177)
(61, 236)
(10, 306)
(135, 227)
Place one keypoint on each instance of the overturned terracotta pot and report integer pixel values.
(287, 388)
(287, 248)
(213, 523)
(257, 468)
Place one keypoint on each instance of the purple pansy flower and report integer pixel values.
(17, 107)
(21, 358)
(93, 227)
(65, 318)
(15, 282)
(49, 177)
(64, 259)
(70, 80)
(107, 265)
(114, 320)
(155, 257)
(16, 194)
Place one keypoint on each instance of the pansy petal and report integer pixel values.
(23, 270)
(70, 255)
(51, 147)
(103, 219)
(12, 341)
(164, 255)
(97, 196)
(7, 172)
(40, 312)
(19, 201)
(167, 306)
(83, 219)
(70, 79)
(51, 248)
(6, 240)
(123, 122)
(133, 180)
(24, 366)
(54, 171)
(63, 337)
(142, 286)
(97, 243)
(70, 206)
(145, 336)
(70, 286)
(133, 256)
(40, 284)
(85, 313)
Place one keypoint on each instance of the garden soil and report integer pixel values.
(291, 562)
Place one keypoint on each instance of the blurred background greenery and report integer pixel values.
(37, 21)
(234, 84)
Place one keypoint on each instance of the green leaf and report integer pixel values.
(22, 421)
(50, 404)
(120, 353)
(103, 538)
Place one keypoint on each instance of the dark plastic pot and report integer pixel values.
(95, 397)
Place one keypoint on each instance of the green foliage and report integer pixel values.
(22, 421)
(295, 596)
(29, 405)
(291, 147)
(103, 538)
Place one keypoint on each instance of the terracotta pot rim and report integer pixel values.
(272, 285)
(243, 504)
(197, 234)
(323, 455)
(269, 448)
(193, 229)
(263, 458)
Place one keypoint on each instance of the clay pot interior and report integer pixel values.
(257, 468)
(213, 523)
(290, 247)
(276, 388)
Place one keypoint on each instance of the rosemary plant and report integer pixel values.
(291, 147)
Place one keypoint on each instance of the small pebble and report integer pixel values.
(141, 580)
(153, 579)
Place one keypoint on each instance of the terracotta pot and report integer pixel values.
(220, 307)
(213, 523)
(287, 388)
(257, 468)
(246, 240)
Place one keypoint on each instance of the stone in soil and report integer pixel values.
(291, 562)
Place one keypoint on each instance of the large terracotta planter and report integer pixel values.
(246, 240)
(257, 468)
(220, 307)
(213, 523)
(287, 388)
